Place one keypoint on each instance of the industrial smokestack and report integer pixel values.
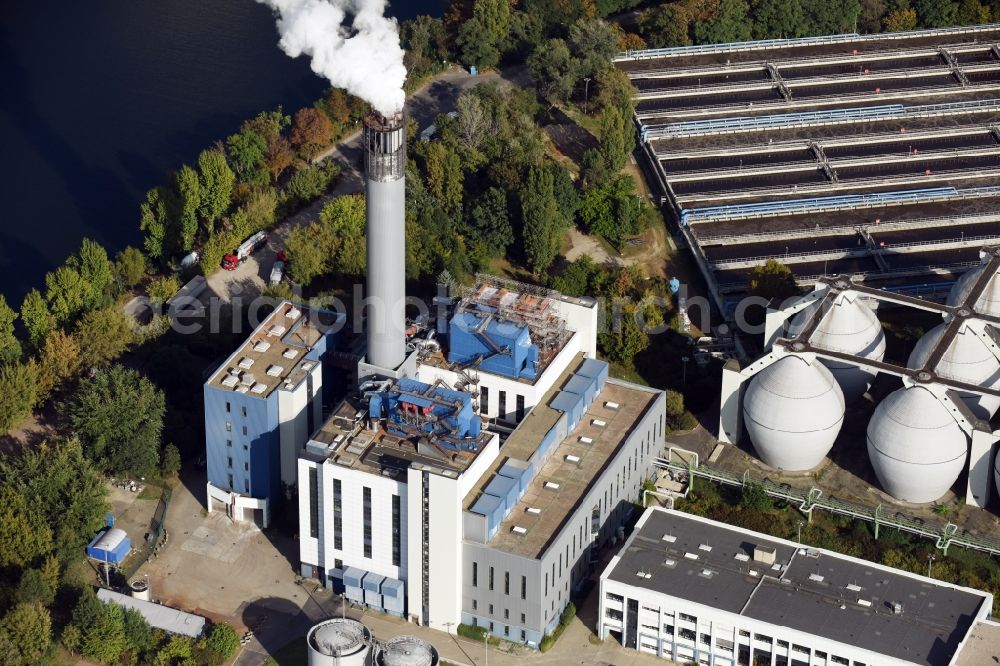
(385, 201)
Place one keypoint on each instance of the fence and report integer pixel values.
(157, 530)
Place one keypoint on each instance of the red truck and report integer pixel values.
(246, 248)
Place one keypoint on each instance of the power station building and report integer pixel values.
(694, 590)
(824, 351)
(261, 405)
(483, 456)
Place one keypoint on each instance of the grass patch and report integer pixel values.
(150, 492)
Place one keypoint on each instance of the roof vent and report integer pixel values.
(705, 547)
(598, 423)
(816, 578)
(262, 346)
(669, 538)
(643, 574)
(570, 458)
(246, 363)
(897, 608)
(691, 556)
(517, 529)
(275, 371)
(259, 388)
(754, 573)
(290, 353)
(612, 405)
(764, 554)
(534, 510)
(230, 380)
(293, 313)
(551, 485)
(670, 562)
(276, 331)
(707, 573)
(586, 440)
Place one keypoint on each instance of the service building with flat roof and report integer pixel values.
(693, 589)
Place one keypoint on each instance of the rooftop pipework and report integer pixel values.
(413, 409)
(385, 204)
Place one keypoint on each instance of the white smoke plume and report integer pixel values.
(363, 57)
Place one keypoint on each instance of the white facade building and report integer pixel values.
(695, 590)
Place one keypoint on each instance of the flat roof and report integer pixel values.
(345, 439)
(159, 616)
(982, 645)
(274, 353)
(574, 476)
(811, 590)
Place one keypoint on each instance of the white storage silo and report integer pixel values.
(339, 642)
(915, 446)
(793, 410)
(407, 651)
(850, 327)
(988, 302)
(968, 360)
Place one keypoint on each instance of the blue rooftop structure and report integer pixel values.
(500, 347)
(413, 409)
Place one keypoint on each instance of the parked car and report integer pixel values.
(277, 272)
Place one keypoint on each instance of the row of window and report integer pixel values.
(506, 581)
(484, 404)
(506, 629)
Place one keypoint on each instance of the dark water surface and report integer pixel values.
(99, 100)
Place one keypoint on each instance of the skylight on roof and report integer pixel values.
(517, 529)
(669, 538)
(290, 353)
(570, 458)
(275, 371)
(534, 510)
(691, 556)
(246, 363)
(742, 557)
(259, 388)
(230, 380)
(586, 440)
(816, 578)
(705, 547)
(853, 588)
(276, 330)
(552, 485)
(262, 346)
(598, 423)
(612, 405)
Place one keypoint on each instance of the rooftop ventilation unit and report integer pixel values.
(248, 379)
(551, 485)
(754, 573)
(275, 371)
(230, 380)
(764, 554)
(258, 388)
(586, 440)
(864, 602)
(742, 557)
(570, 458)
(854, 588)
(246, 363)
(598, 423)
(705, 547)
(669, 562)
(669, 538)
(276, 331)
(897, 608)
(517, 529)
(534, 510)
(612, 405)
(691, 556)
(707, 573)
(290, 353)
(816, 578)
(293, 313)
(643, 574)
(261, 346)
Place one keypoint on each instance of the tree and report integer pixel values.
(565, 192)
(312, 131)
(67, 492)
(772, 279)
(972, 12)
(105, 640)
(34, 587)
(29, 627)
(36, 318)
(71, 638)
(247, 151)
(338, 106)
(66, 293)
(280, 156)
(131, 266)
(162, 288)
(10, 348)
(731, 25)
(260, 208)
(473, 50)
(425, 39)
(617, 140)
(541, 223)
(24, 536)
(189, 202)
(18, 393)
(491, 221)
(310, 249)
(665, 26)
(776, 19)
(154, 221)
(594, 42)
(827, 17)
(611, 209)
(624, 338)
(96, 270)
(444, 176)
(223, 640)
(345, 216)
(615, 89)
(216, 180)
(137, 630)
(494, 15)
(171, 461)
(554, 68)
(103, 335)
(473, 124)
(900, 20)
(118, 416)
(311, 181)
(58, 361)
(755, 498)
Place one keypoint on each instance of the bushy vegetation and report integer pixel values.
(548, 640)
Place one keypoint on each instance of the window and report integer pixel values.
(491, 580)
(246, 448)
(484, 399)
(228, 407)
(313, 503)
(520, 408)
(229, 443)
(502, 407)
(611, 596)
(244, 431)
(338, 539)
(475, 604)
(366, 509)
(524, 587)
(491, 611)
(395, 531)
(523, 636)
(690, 618)
(246, 467)
(229, 426)
(706, 639)
(506, 583)
(246, 485)
(244, 411)
(338, 564)
(230, 479)
(229, 462)
(613, 614)
(506, 613)
(475, 574)
(506, 630)
(523, 622)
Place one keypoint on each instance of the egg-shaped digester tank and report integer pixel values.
(793, 410)
(850, 327)
(915, 446)
(339, 642)
(988, 302)
(407, 651)
(968, 360)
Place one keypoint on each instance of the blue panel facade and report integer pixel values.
(519, 471)
(493, 508)
(242, 452)
(499, 347)
(113, 555)
(591, 367)
(506, 489)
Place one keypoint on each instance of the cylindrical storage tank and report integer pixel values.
(339, 642)
(968, 360)
(915, 446)
(139, 588)
(407, 651)
(793, 410)
(850, 327)
(988, 302)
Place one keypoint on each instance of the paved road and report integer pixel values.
(438, 96)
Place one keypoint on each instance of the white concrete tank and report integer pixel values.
(915, 446)
(987, 303)
(339, 642)
(139, 588)
(793, 410)
(407, 651)
(850, 327)
(968, 360)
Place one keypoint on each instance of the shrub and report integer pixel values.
(223, 640)
(469, 631)
(160, 289)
